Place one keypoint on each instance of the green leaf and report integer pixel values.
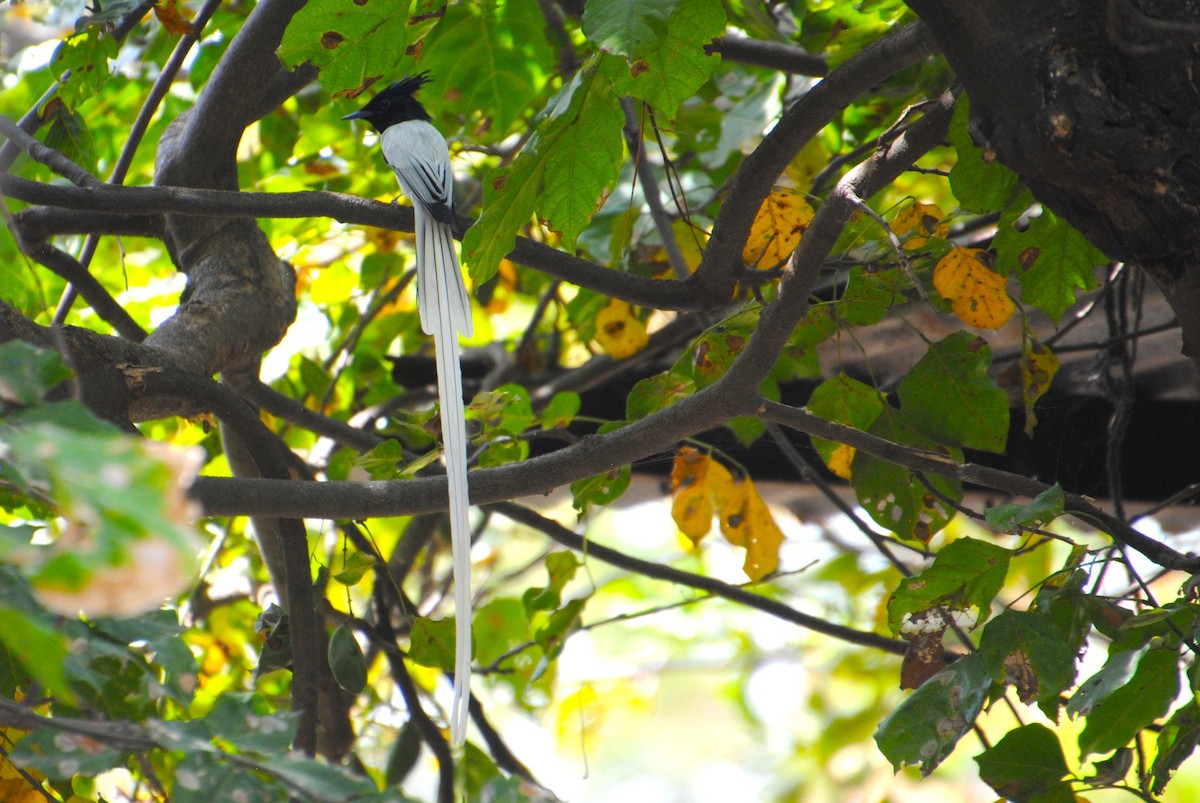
(1176, 742)
(561, 174)
(892, 495)
(1028, 761)
(1115, 673)
(507, 410)
(40, 650)
(70, 135)
(382, 462)
(356, 566)
(318, 780)
(561, 410)
(402, 758)
(671, 71)
(716, 349)
(925, 728)
(431, 643)
(1114, 721)
(843, 400)
(352, 43)
(967, 573)
(980, 183)
(629, 28)
(491, 57)
(61, 755)
(949, 396)
(869, 295)
(1030, 651)
(1047, 506)
(656, 393)
(562, 567)
(600, 489)
(27, 372)
(1053, 260)
(552, 635)
(346, 660)
(86, 55)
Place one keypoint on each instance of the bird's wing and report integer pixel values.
(417, 153)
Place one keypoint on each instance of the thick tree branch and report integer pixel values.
(641, 290)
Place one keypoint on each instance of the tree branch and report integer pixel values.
(722, 261)
(657, 571)
(1016, 484)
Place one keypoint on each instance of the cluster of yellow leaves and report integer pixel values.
(619, 332)
(776, 231)
(1038, 366)
(976, 292)
(704, 488)
(920, 221)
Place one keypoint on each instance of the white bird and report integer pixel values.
(418, 153)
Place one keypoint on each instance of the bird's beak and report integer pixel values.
(361, 114)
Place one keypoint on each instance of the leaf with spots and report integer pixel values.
(664, 67)
(979, 182)
(893, 495)
(561, 174)
(1055, 262)
(967, 573)
(600, 489)
(777, 229)
(619, 332)
(1030, 651)
(925, 728)
(917, 222)
(352, 42)
(976, 293)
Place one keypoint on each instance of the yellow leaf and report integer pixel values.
(976, 293)
(777, 229)
(172, 18)
(701, 485)
(919, 221)
(747, 522)
(691, 240)
(840, 460)
(1038, 366)
(618, 332)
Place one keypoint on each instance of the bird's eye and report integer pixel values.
(383, 104)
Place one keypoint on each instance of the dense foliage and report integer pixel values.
(704, 208)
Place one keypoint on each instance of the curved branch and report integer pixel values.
(885, 57)
(657, 571)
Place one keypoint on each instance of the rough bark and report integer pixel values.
(1096, 106)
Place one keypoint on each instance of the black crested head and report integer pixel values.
(394, 104)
